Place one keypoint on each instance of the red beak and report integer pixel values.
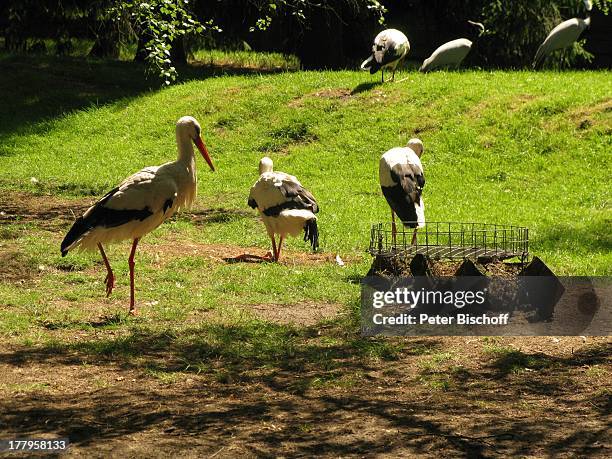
(204, 151)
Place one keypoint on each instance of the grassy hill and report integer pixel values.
(263, 358)
(519, 148)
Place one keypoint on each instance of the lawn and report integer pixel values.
(522, 148)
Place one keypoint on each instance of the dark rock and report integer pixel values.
(536, 267)
(542, 294)
(469, 268)
(421, 265)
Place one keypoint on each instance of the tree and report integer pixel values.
(516, 29)
(160, 26)
(312, 29)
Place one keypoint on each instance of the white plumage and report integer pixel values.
(563, 35)
(402, 181)
(140, 203)
(286, 207)
(390, 47)
(450, 54)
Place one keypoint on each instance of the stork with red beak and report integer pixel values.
(140, 203)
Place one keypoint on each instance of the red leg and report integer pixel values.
(278, 250)
(414, 237)
(131, 264)
(110, 277)
(273, 254)
(393, 230)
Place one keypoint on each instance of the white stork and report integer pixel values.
(286, 207)
(140, 203)
(402, 181)
(564, 35)
(390, 47)
(451, 54)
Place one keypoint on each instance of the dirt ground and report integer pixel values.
(548, 402)
(334, 395)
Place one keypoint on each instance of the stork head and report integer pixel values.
(265, 165)
(417, 146)
(188, 127)
(588, 5)
(479, 26)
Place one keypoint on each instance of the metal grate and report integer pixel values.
(452, 240)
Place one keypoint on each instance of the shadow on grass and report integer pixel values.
(261, 370)
(247, 258)
(35, 89)
(218, 215)
(363, 87)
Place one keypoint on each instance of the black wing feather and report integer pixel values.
(300, 195)
(102, 216)
(296, 197)
(388, 55)
(403, 196)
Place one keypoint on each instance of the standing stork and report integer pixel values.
(286, 207)
(402, 181)
(140, 203)
(564, 35)
(390, 47)
(451, 54)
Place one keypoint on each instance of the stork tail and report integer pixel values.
(311, 233)
(76, 233)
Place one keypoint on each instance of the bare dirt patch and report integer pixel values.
(16, 267)
(307, 313)
(515, 104)
(46, 211)
(519, 101)
(340, 94)
(230, 253)
(585, 117)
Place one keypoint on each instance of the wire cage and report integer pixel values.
(452, 241)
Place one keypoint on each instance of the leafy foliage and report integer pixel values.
(301, 9)
(516, 29)
(162, 22)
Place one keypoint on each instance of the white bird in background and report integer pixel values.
(390, 47)
(401, 181)
(286, 207)
(564, 35)
(451, 54)
(140, 203)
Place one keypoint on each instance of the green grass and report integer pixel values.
(246, 59)
(519, 148)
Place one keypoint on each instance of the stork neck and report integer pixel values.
(185, 149)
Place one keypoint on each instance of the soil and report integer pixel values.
(48, 212)
(401, 266)
(542, 398)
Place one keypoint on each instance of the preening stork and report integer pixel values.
(401, 180)
(390, 47)
(286, 207)
(451, 54)
(564, 35)
(140, 203)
